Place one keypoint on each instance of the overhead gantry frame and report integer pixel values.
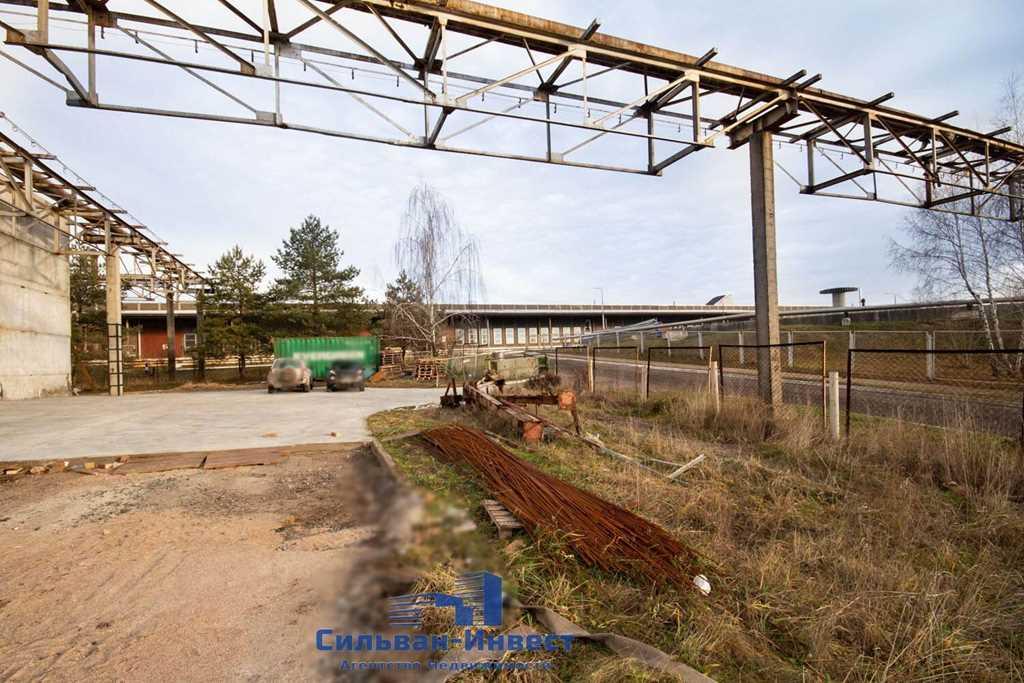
(432, 73)
(36, 188)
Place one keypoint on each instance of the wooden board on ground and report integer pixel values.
(161, 462)
(243, 458)
(502, 518)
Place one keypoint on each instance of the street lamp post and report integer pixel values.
(604, 321)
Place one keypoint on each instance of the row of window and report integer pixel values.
(510, 336)
(130, 342)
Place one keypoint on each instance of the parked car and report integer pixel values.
(345, 374)
(289, 374)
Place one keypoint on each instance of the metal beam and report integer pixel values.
(366, 46)
(241, 15)
(316, 20)
(243, 65)
(585, 35)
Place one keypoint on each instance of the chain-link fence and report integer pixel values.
(570, 364)
(803, 365)
(971, 389)
(677, 368)
(615, 368)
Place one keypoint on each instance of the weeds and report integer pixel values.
(895, 555)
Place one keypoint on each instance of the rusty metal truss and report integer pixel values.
(442, 74)
(40, 193)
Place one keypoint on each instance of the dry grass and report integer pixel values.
(896, 556)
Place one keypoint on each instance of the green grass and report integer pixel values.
(894, 555)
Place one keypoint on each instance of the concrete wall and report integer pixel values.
(35, 310)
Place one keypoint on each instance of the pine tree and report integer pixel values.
(314, 276)
(236, 308)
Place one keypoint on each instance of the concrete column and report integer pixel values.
(200, 367)
(833, 404)
(766, 286)
(171, 357)
(713, 388)
(929, 343)
(591, 361)
(115, 354)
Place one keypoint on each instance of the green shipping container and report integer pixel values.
(320, 352)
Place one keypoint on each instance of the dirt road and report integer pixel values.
(190, 574)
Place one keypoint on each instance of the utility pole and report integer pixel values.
(766, 284)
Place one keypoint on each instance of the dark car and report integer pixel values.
(345, 375)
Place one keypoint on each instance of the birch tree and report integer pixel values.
(439, 260)
(956, 255)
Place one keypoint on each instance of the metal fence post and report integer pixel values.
(849, 388)
(789, 350)
(850, 346)
(929, 344)
(647, 375)
(833, 404)
(713, 389)
(721, 370)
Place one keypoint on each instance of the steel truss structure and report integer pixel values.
(36, 186)
(432, 73)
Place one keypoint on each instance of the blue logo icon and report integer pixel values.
(477, 602)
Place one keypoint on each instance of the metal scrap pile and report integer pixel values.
(600, 533)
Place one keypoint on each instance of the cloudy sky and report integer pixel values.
(551, 234)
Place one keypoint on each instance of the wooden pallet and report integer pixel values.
(428, 370)
(390, 358)
(504, 520)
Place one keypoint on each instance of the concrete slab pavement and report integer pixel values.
(84, 426)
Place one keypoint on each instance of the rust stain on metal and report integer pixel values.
(600, 533)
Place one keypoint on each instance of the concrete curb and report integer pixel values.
(384, 458)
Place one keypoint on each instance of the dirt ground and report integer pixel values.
(197, 574)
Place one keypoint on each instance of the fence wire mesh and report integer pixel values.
(803, 365)
(570, 364)
(677, 368)
(970, 389)
(616, 368)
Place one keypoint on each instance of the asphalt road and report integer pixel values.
(889, 401)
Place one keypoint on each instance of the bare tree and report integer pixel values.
(440, 261)
(983, 258)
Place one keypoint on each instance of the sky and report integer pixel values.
(551, 234)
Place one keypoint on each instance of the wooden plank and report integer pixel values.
(243, 458)
(161, 462)
(504, 520)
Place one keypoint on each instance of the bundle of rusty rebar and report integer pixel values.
(600, 533)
